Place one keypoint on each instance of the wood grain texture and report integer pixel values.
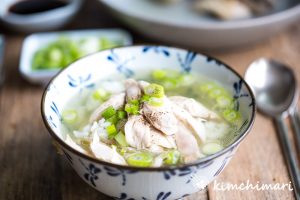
(30, 168)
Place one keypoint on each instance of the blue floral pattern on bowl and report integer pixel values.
(129, 183)
(114, 172)
(157, 49)
(186, 62)
(91, 173)
(80, 81)
(121, 64)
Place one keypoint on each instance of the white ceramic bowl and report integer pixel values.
(42, 21)
(178, 24)
(125, 182)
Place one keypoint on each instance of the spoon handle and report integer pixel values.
(289, 155)
(296, 126)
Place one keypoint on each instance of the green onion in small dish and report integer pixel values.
(44, 54)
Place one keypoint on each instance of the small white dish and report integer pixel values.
(34, 42)
(41, 21)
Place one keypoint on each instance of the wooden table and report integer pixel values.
(30, 168)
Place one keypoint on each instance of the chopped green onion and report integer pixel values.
(159, 74)
(186, 79)
(145, 98)
(213, 90)
(171, 157)
(134, 102)
(55, 54)
(61, 52)
(132, 109)
(170, 84)
(107, 44)
(216, 92)
(108, 112)
(211, 148)
(153, 101)
(121, 114)
(141, 159)
(111, 131)
(120, 138)
(70, 116)
(113, 119)
(100, 94)
(154, 90)
(207, 87)
(224, 101)
(231, 115)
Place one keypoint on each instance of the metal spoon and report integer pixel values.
(275, 88)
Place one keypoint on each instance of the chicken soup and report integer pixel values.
(168, 119)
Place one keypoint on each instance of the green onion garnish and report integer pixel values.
(111, 131)
(224, 101)
(171, 157)
(145, 98)
(186, 79)
(108, 112)
(211, 148)
(134, 102)
(132, 107)
(159, 74)
(216, 92)
(100, 94)
(154, 90)
(141, 159)
(113, 119)
(120, 138)
(170, 84)
(204, 88)
(121, 114)
(153, 101)
(70, 116)
(231, 115)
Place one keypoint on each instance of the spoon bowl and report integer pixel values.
(274, 86)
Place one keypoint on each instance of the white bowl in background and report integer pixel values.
(178, 24)
(34, 42)
(42, 21)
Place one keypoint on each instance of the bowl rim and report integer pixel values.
(219, 25)
(200, 161)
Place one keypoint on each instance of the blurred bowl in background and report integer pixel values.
(177, 24)
(36, 15)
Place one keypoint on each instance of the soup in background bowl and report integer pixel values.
(169, 80)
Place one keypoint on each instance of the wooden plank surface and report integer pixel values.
(30, 168)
